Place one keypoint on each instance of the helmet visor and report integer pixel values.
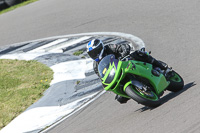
(94, 53)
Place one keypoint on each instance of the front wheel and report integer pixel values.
(176, 82)
(147, 98)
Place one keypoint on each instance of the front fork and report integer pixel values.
(142, 87)
(134, 83)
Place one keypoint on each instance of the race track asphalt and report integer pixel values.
(170, 29)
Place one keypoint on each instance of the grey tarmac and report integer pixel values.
(170, 29)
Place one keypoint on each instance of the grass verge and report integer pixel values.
(77, 53)
(21, 84)
(17, 6)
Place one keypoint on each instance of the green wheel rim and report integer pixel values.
(175, 78)
(150, 95)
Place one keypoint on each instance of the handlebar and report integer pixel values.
(123, 58)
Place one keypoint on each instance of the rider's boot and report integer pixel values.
(144, 56)
(167, 71)
(157, 63)
(121, 99)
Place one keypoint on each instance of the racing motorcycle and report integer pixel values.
(138, 80)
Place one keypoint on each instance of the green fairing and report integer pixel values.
(141, 69)
(137, 80)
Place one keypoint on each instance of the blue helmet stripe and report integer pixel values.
(90, 48)
(89, 43)
(97, 59)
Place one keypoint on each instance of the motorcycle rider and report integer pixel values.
(97, 50)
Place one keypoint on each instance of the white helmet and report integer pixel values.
(95, 49)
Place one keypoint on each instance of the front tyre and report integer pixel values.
(147, 98)
(176, 82)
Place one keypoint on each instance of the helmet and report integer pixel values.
(95, 49)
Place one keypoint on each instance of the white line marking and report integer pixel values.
(67, 116)
(22, 56)
(42, 48)
(137, 43)
(66, 44)
(70, 70)
(40, 117)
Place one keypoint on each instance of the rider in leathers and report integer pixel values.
(119, 51)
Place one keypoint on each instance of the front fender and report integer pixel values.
(133, 82)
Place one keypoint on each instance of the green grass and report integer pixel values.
(77, 53)
(17, 6)
(21, 84)
(77, 82)
(83, 57)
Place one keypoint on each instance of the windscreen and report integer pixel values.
(104, 64)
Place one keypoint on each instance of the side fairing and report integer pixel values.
(145, 70)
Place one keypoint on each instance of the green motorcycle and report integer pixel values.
(137, 80)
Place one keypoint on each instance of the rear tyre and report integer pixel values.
(147, 98)
(176, 83)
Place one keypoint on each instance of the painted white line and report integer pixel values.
(41, 117)
(22, 56)
(89, 65)
(136, 42)
(70, 70)
(66, 44)
(42, 48)
(83, 106)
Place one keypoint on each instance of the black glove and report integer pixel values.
(142, 49)
(142, 53)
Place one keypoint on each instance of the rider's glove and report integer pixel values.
(142, 49)
(141, 53)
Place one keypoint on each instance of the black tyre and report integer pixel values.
(147, 98)
(176, 83)
(12, 2)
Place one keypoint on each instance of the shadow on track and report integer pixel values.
(172, 95)
(168, 97)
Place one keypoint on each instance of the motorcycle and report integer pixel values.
(138, 80)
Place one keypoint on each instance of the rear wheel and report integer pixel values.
(147, 98)
(176, 82)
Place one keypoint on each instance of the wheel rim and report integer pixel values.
(150, 95)
(175, 78)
